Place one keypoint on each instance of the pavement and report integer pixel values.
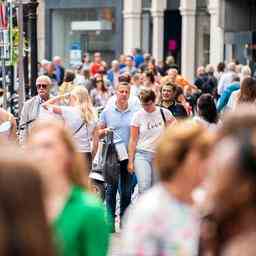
(115, 245)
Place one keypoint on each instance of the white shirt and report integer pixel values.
(151, 125)
(73, 120)
(232, 103)
(225, 80)
(212, 127)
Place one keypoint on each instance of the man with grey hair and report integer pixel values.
(113, 73)
(226, 78)
(32, 108)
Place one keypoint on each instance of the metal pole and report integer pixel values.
(32, 20)
(21, 89)
(4, 84)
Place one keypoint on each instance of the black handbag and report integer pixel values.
(111, 168)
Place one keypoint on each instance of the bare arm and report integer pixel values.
(13, 134)
(95, 142)
(54, 104)
(102, 130)
(132, 147)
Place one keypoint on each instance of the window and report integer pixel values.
(146, 4)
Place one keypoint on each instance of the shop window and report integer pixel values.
(84, 30)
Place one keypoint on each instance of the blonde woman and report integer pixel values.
(80, 117)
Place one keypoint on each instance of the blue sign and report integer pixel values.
(75, 46)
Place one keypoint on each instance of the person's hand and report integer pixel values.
(106, 130)
(131, 167)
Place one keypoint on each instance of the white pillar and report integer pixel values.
(132, 25)
(157, 12)
(41, 30)
(188, 11)
(217, 34)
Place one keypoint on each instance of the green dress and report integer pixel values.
(81, 228)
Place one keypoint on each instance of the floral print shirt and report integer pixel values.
(160, 225)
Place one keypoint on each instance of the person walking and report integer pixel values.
(78, 218)
(163, 221)
(117, 116)
(168, 101)
(59, 69)
(32, 109)
(23, 222)
(80, 117)
(68, 82)
(207, 114)
(100, 94)
(146, 127)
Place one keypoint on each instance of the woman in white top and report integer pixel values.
(146, 127)
(7, 126)
(246, 94)
(79, 117)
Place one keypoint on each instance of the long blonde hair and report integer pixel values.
(83, 101)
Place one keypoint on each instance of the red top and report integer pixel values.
(95, 68)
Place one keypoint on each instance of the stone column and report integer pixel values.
(41, 30)
(217, 34)
(188, 11)
(157, 12)
(132, 25)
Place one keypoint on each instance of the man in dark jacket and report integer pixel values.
(59, 69)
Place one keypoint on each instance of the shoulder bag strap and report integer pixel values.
(79, 128)
(163, 116)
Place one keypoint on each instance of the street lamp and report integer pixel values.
(32, 24)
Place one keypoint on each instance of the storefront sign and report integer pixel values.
(91, 25)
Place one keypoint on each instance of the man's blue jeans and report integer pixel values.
(125, 186)
(145, 173)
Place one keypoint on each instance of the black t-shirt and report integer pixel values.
(177, 110)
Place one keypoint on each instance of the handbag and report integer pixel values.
(111, 167)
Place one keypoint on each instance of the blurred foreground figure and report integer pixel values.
(78, 218)
(228, 225)
(7, 126)
(163, 220)
(23, 223)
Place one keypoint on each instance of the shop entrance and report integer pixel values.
(172, 35)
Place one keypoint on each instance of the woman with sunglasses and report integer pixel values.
(79, 117)
(100, 94)
(146, 127)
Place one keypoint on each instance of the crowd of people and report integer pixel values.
(189, 147)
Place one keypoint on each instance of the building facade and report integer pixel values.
(187, 29)
(238, 20)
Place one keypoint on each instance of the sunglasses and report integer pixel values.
(41, 86)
